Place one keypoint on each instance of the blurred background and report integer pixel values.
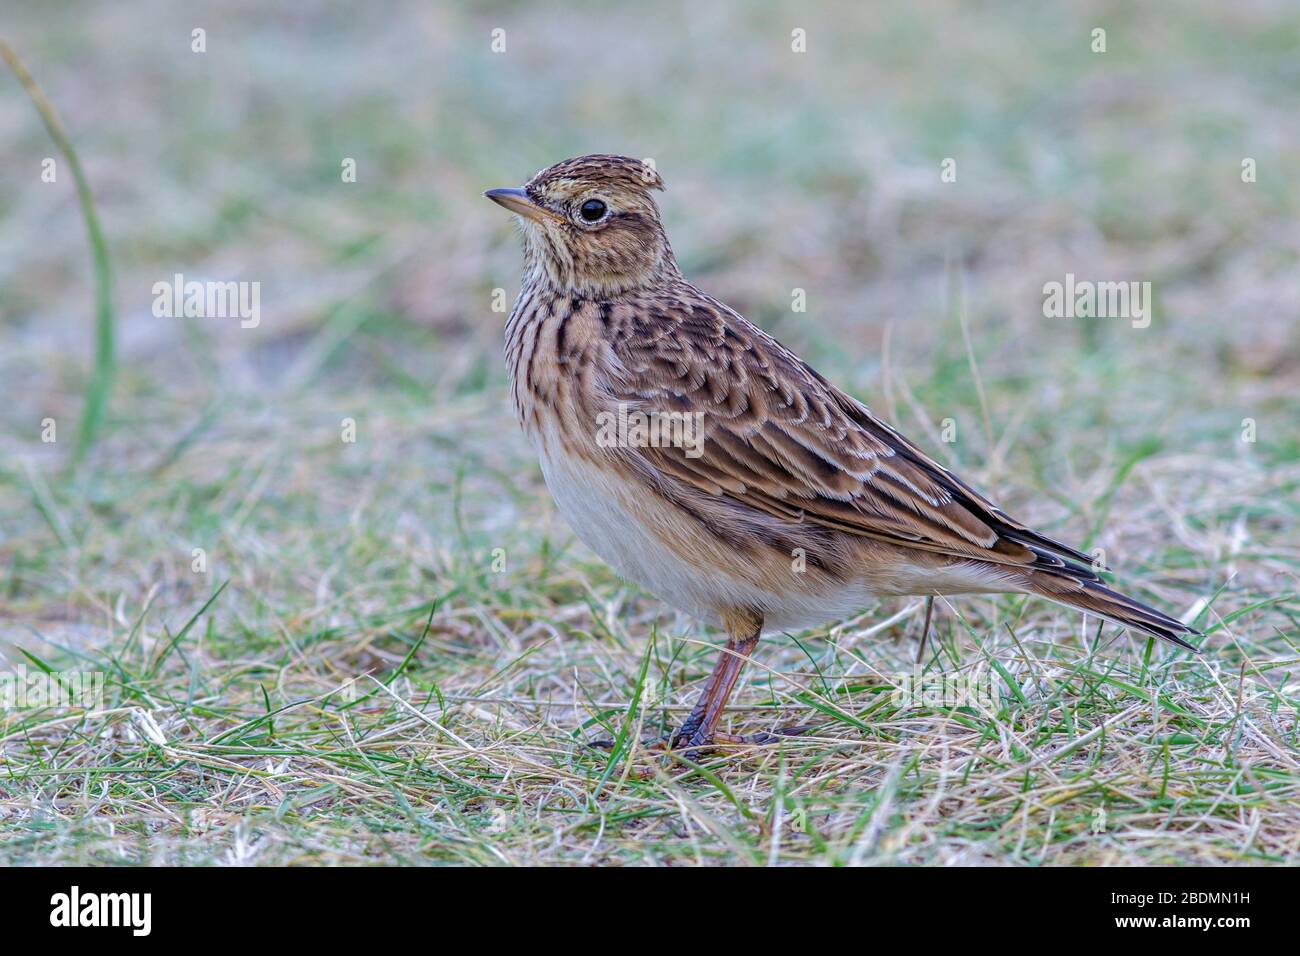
(816, 170)
(247, 576)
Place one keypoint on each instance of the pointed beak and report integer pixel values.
(517, 201)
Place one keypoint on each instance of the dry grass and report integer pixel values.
(367, 688)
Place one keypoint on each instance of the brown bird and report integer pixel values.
(712, 466)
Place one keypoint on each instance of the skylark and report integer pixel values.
(712, 466)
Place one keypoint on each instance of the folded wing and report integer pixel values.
(779, 438)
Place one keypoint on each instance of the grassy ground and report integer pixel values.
(397, 646)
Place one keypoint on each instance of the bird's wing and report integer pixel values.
(779, 438)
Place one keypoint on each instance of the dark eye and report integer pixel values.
(592, 210)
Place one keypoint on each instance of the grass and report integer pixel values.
(396, 647)
(101, 381)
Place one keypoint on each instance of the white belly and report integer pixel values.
(598, 509)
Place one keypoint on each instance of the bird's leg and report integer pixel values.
(925, 631)
(743, 628)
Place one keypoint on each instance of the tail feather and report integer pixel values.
(1072, 588)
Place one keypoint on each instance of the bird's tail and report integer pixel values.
(1081, 589)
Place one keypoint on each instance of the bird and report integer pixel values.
(715, 468)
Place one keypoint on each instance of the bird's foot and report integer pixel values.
(702, 745)
(763, 737)
(692, 741)
(661, 742)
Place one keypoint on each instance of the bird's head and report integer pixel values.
(590, 225)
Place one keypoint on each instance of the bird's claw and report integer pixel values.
(691, 742)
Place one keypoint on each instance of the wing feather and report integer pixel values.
(779, 438)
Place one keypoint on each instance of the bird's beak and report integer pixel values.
(517, 201)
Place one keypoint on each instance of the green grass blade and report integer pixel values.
(100, 384)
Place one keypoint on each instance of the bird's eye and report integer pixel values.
(592, 210)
